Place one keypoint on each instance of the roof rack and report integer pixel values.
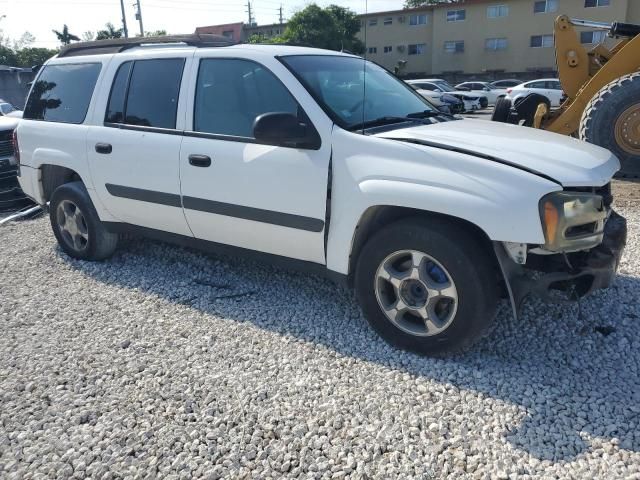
(118, 45)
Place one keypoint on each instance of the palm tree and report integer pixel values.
(109, 32)
(65, 36)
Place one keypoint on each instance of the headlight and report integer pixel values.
(572, 221)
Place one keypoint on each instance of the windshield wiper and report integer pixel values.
(416, 117)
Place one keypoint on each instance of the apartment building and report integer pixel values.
(482, 36)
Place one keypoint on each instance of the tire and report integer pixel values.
(455, 258)
(502, 110)
(76, 224)
(484, 102)
(604, 122)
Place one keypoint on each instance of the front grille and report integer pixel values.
(6, 148)
(604, 192)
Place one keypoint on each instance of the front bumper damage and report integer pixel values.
(564, 278)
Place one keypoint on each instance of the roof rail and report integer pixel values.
(118, 45)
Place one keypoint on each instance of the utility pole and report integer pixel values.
(249, 12)
(281, 21)
(124, 20)
(139, 17)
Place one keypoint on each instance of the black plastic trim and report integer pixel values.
(220, 248)
(210, 206)
(141, 128)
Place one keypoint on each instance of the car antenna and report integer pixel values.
(364, 65)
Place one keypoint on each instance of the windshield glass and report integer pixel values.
(445, 86)
(349, 95)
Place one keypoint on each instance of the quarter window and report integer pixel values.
(62, 93)
(541, 41)
(596, 3)
(231, 94)
(545, 6)
(419, 19)
(456, 15)
(417, 48)
(496, 11)
(495, 44)
(454, 46)
(145, 93)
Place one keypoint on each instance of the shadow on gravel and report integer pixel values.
(568, 372)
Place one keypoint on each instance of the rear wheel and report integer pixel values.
(426, 287)
(76, 224)
(502, 110)
(612, 120)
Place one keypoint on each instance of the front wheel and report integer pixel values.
(429, 288)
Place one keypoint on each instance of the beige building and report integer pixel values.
(482, 36)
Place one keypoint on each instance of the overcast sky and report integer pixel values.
(176, 16)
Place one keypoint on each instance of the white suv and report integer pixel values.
(306, 157)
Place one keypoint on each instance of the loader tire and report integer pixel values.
(502, 110)
(612, 120)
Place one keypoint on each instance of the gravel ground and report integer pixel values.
(168, 363)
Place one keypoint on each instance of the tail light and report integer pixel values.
(16, 148)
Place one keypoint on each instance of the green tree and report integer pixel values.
(422, 3)
(65, 36)
(8, 56)
(30, 57)
(109, 31)
(156, 33)
(333, 28)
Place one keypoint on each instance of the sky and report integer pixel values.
(39, 17)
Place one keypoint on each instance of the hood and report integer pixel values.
(8, 123)
(568, 161)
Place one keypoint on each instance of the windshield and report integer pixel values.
(350, 96)
(445, 86)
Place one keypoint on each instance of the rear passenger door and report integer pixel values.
(134, 150)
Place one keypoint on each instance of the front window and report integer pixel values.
(352, 90)
(456, 15)
(545, 6)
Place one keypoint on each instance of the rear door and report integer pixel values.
(134, 149)
(238, 191)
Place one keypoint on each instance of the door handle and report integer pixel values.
(104, 148)
(200, 160)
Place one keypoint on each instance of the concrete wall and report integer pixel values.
(14, 86)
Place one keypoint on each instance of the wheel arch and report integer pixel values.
(376, 217)
(53, 176)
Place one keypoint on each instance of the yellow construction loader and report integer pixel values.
(602, 88)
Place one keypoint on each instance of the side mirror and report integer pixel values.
(284, 129)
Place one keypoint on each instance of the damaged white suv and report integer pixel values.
(322, 161)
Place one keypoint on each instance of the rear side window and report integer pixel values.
(62, 93)
(145, 93)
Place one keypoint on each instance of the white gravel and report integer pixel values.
(165, 362)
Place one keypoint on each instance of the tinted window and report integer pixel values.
(115, 110)
(231, 93)
(62, 93)
(153, 93)
(553, 85)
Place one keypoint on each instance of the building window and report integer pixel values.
(496, 11)
(420, 19)
(373, 22)
(541, 41)
(598, 36)
(456, 15)
(495, 44)
(596, 3)
(388, 49)
(373, 50)
(417, 48)
(388, 20)
(545, 6)
(454, 46)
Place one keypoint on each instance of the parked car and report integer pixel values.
(471, 101)
(8, 110)
(548, 87)
(441, 100)
(11, 196)
(504, 84)
(255, 150)
(482, 89)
